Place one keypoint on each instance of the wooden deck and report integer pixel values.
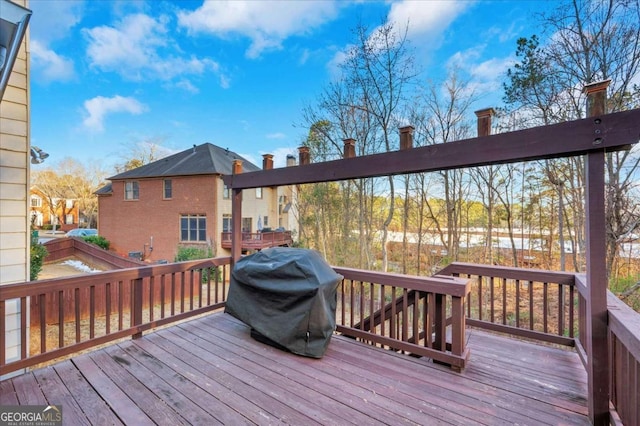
(209, 371)
(259, 240)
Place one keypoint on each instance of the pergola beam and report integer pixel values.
(606, 132)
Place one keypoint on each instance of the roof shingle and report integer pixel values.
(203, 159)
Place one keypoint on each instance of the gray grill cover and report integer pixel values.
(288, 296)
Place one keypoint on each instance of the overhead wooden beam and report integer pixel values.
(609, 132)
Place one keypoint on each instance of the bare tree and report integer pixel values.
(588, 41)
(70, 180)
(363, 105)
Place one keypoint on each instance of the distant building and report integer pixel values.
(62, 213)
(181, 201)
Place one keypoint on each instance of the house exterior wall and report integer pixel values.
(14, 189)
(129, 225)
(271, 206)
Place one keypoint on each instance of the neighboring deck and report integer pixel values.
(209, 371)
(259, 240)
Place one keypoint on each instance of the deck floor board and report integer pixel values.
(210, 371)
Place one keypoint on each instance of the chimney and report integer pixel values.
(406, 137)
(291, 160)
(267, 161)
(237, 166)
(484, 121)
(596, 97)
(303, 154)
(349, 148)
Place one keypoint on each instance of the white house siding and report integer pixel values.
(255, 208)
(14, 190)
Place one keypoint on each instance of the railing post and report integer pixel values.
(484, 121)
(267, 161)
(406, 137)
(349, 148)
(136, 305)
(236, 217)
(597, 344)
(303, 155)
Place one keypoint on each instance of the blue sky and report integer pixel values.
(107, 76)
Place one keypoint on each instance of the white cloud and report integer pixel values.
(99, 107)
(491, 69)
(44, 28)
(277, 135)
(304, 57)
(48, 65)
(485, 76)
(428, 18)
(280, 156)
(333, 66)
(266, 23)
(139, 48)
(462, 59)
(426, 21)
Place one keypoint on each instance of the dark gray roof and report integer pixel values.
(205, 159)
(105, 190)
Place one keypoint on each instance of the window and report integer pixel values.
(168, 192)
(247, 224)
(68, 204)
(36, 201)
(131, 190)
(68, 219)
(259, 193)
(226, 223)
(193, 228)
(226, 193)
(266, 221)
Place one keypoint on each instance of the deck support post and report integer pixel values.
(596, 345)
(236, 218)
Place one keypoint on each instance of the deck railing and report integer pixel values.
(624, 360)
(76, 313)
(423, 316)
(623, 337)
(531, 303)
(411, 314)
(259, 240)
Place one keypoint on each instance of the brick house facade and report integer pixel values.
(64, 213)
(181, 201)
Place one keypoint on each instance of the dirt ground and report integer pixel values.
(57, 270)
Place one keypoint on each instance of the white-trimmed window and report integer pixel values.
(259, 193)
(36, 201)
(193, 227)
(226, 192)
(131, 190)
(226, 223)
(167, 189)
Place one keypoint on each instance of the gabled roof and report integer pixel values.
(205, 159)
(105, 190)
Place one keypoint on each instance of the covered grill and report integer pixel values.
(288, 298)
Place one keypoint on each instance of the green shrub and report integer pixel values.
(194, 253)
(38, 253)
(47, 227)
(98, 240)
